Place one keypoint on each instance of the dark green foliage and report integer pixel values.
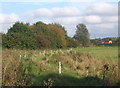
(19, 28)
(71, 42)
(82, 35)
(19, 41)
(19, 36)
(66, 80)
(36, 36)
(95, 41)
(1, 34)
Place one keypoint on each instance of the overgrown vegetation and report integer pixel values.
(80, 67)
(37, 36)
(31, 54)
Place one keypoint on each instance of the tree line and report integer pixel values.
(98, 41)
(40, 35)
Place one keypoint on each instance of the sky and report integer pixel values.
(99, 16)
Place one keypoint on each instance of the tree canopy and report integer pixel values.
(37, 36)
(82, 35)
(40, 35)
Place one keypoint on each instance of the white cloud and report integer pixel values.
(68, 20)
(6, 20)
(92, 19)
(102, 9)
(64, 15)
(110, 19)
(2, 18)
(43, 12)
(102, 19)
(103, 30)
(54, 12)
(66, 12)
(106, 26)
(13, 18)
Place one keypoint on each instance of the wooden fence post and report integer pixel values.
(59, 67)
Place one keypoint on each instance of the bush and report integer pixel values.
(72, 42)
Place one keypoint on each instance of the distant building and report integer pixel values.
(107, 42)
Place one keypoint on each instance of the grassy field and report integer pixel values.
(87, 66)
(106, 53)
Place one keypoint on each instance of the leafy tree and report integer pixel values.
(43, 42)
(36, 36)
(19, 41)
(59, 30)
(82, 35)
(19, 27)
(19, 36)
(71, 42)
(42, 30)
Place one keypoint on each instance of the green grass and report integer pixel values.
(108, 53)
(42, 65)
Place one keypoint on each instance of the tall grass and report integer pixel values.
(32, 67)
